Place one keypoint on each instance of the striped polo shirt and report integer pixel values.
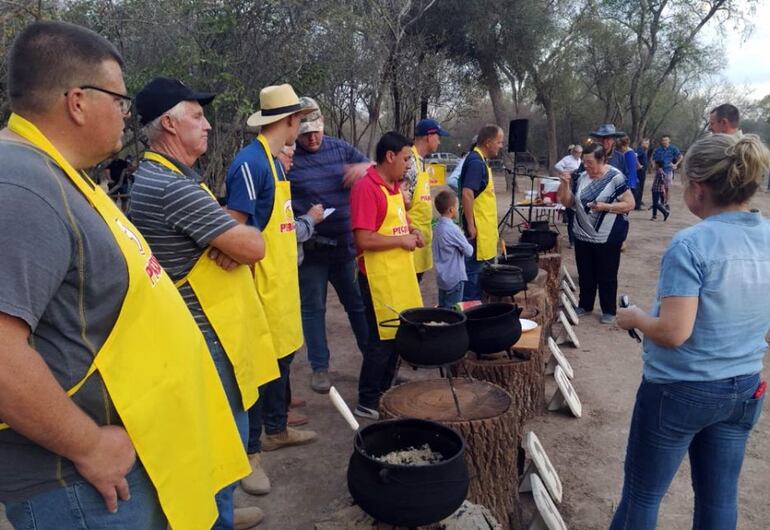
(179, 219)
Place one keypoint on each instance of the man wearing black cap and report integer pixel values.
(187, 229)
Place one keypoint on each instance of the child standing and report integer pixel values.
(659, 198)
(450, 248)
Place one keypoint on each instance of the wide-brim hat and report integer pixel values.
(275, 103)
(607, 130)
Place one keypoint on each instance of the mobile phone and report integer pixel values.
(329, 211)
(624, 302)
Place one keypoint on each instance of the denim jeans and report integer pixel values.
(380, 363)
(224, 498)
(472, 287)
(79, 506)
(272, 408)
(314, 278)
(449, 297)
(710, 420)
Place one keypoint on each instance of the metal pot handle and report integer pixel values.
(387, 323)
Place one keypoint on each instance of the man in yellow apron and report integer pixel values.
(385, 240)
(108, 394)
(258, 194)
(416, 184)
(188, 230)
(480, 206)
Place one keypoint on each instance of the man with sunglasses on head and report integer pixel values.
(107, 390)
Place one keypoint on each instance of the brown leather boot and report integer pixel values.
(250, 517)
(287, 438)
(256, 483)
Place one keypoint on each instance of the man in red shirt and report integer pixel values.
(384, 241)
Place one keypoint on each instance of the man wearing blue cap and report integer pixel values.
(416, 187)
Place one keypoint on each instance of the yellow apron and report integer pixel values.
(276, 275)
(230, 302)
(485, 218)
(159, 373)
(390, 273)
(421, 214)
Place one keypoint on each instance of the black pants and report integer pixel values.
(658, 205)
(569, 214)
(378, 367)
(597, 266)
(641, 175)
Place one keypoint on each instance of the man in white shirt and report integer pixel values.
(569, 164)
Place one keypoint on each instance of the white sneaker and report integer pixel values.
(366, 412)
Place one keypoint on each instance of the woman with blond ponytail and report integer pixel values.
(704, 342)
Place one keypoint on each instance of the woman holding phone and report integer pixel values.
(704, 342)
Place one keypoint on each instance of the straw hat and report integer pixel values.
(275, 103)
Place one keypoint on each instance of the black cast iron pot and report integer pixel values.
(502, 280)
(493, 328)
(407, 495)
(527, 262)
(423, 344)
(539, 225)
(521, 248)
(544, 239)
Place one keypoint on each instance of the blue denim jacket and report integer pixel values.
(725, 261)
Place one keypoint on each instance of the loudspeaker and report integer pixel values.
(517, 136)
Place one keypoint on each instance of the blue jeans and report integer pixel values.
(272, 407)
(79, 506)
(448, 298)
(224, 498)
(710, 420)
(472, 287)
(314, 278)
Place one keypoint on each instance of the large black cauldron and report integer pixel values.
(502, 280)
(404, 495)
(421, 344)
(526, 261)
(544, 239)
(493, 328)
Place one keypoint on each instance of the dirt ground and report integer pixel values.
(308, 482)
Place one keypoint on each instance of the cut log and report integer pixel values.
(524, 380)
(551, 263)
(488, 421)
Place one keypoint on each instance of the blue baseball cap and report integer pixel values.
(429, 126)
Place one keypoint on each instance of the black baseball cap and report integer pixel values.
(162, 93)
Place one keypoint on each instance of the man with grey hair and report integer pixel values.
(184, 225)
(324, 169)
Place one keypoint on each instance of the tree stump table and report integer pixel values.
(488, 421)
(523, 377)
(551, 263)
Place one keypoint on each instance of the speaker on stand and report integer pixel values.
(517, 143)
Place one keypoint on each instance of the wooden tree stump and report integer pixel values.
(523, 379)
(551, 263)
(489, 424)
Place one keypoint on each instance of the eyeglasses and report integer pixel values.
(126, 102)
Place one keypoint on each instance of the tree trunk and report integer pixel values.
(492, 81)
(550, 118)
(488, 423)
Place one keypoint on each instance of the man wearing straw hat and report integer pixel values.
(259, 195)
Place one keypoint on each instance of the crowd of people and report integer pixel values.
(147, 356)
(104, 304)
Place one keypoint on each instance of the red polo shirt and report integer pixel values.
(368, 204)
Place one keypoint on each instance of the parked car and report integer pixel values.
(442, 158)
